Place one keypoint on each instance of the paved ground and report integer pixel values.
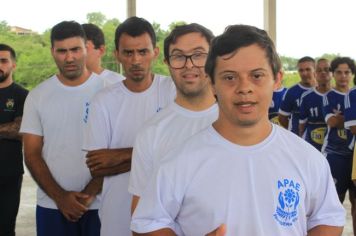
(26, 217)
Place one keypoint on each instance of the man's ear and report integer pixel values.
(278, 80)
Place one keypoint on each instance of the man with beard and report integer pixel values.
(54, 114)
(185, 51)
(117, 114)
(12, 98)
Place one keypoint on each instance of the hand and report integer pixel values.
(87, 201)
(106, 158)
(115, 170)
(220, 231)
(69, 203)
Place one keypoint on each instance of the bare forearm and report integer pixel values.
(42, 175)
(10, 130)
(114, 170)
(301, 129)
(283, 120)
(325, 230)
(336, 122)
(94, 186)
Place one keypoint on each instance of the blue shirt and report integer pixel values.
(337, 141)
(311, 114)
(290, 106)
(350, 109)
(276, 103)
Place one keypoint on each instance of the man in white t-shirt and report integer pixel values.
(117, 114)
(95, 51)
(243, 173)
(52, 126)
(185, 50)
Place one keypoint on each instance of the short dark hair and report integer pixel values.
(180, 30)
(343, 60)
(5, 47)
(135, 26)
(94, 34)
(306, 59)
(236, 37)
(66, 29)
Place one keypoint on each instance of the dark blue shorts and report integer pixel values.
(52, 222)
(341, 168)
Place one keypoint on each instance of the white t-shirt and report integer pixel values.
(281, 186)
(110, 77)
(57, 112)
(116, 116)
(167, 129)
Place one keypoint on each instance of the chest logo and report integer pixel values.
(10, 103)
(288, 200)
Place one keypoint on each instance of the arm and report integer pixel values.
(106, 162)
(353, 129)
(283, 120)
(325, 230)
(92, 189)
(336, 121)
(10, 130)
(134, 202)
(66, 201)
(301, 129)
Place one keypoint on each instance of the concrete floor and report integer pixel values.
(26, 217)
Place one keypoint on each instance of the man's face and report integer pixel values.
(70, 55)
(323, 74)
(306, 72)
(244, 86)
(94, 55)
(342, 75)
(136, 54)
(7, 65)
(190, 80)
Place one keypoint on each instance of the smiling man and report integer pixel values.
(243, 171)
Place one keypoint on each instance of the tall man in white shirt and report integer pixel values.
(256, 177)
(116, 115)
(52, 126)
(95, 51)
(185, 51)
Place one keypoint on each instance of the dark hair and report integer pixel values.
(322, 59)
(94, 34)
(5, 47)
(306, 59)
(180, 30)
(343, 60)
(236, 37)
(66, 29)
(135, 26)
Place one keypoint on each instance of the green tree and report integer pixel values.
(96, 18)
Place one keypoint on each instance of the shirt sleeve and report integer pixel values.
(21, 96)
(350, 109)
(327, 108)
(141, 163)
(97, 132)
(324, 207)
(31, 119)
(159, 204)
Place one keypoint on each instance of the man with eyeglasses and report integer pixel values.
(185, 51)
(290, 106)
(311, 119)
(338, 142)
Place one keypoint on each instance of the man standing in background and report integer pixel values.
(12, 98)
(289, 110)
(95, 51)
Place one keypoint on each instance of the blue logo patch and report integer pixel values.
(288, 200)
(86, 112)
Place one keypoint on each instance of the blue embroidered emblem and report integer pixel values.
(86, 112)
(288, 200)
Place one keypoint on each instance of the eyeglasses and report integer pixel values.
(179, 61)
(325, 69)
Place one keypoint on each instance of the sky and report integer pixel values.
(304, 27)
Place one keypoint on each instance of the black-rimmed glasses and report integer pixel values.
(178, 61)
